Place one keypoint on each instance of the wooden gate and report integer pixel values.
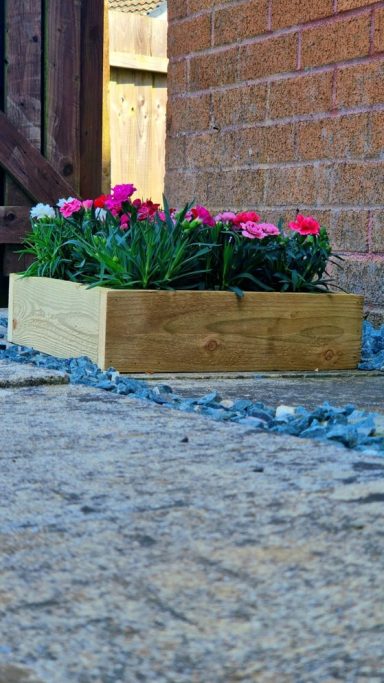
(138, 100)
(51, 91)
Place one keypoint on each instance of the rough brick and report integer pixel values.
(246, 147)
(236, 188)
(213, 70)
(246, 20)
(348, 230)
(201, 5)
(195, 32)
(269, 56)
(343, 5)
(336, 41)
(359, 85)
(183, 186)
(377, 232)
(358, 183)
(175, 153)
(177, 9)
(344, 137)
(376, 137)
(378, 38)
(364, 276)
(298, 185)
(300, 95)
(177, 77)
(295, 12)
(246, 104)
(188, 114)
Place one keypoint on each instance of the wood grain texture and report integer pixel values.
(155, 331)
(31, 170)
(216, 331)
(14, 223)
(23, 78)
(53, 316)
(62, 88)
(138, 100)
(91, 97)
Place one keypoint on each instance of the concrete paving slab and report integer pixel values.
(19, 375)
(143, 544)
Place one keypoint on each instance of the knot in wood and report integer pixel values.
(211, 345)
(10, 216)
(328, 355)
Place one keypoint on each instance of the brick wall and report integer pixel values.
(279, 105)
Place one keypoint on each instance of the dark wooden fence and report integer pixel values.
(51, 99)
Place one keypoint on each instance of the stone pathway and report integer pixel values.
(140, 544)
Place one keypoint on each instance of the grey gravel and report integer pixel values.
(141, 544)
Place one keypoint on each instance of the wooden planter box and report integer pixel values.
(186, 331)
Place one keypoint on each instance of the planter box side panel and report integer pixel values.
(54, 316)
(215, 331)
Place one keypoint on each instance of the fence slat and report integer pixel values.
(26, 165)
(13, 220)
(138, 97)
(62, 88)
(23, 77)
(91, 97)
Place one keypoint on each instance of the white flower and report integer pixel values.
(42, 211)
(101, 214)
(61, 202)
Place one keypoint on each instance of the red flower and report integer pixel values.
(147, 210)
(246, 216)
(100, 201)
(305, 225)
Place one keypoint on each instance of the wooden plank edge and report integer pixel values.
(12, 279)
(128, 60)
(102, 325)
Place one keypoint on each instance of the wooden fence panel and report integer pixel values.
(138, 99)
(51, 97)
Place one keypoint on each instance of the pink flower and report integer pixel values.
(162, 215)
(87, 204)
(269, 228)
(203, 214)
(68, 208)
(147, 210)
(305, 225)
(125, 220)
(252, 230)
(225, 217)
(122, 193)
(246, 216)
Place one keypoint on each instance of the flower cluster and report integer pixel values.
(119, 241)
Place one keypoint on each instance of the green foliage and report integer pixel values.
(171, 250)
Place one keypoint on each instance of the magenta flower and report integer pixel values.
(122, 193)
(87, 204)
(305, 225)
(71, 207)
(113, 205)
(203, 214)
(125, 220)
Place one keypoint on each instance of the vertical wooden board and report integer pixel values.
(62, 88)
(123, 124)
(106, 141)
(56, 317)
(91, 97)
(158, 130)
(22, 101)
(142, 145)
